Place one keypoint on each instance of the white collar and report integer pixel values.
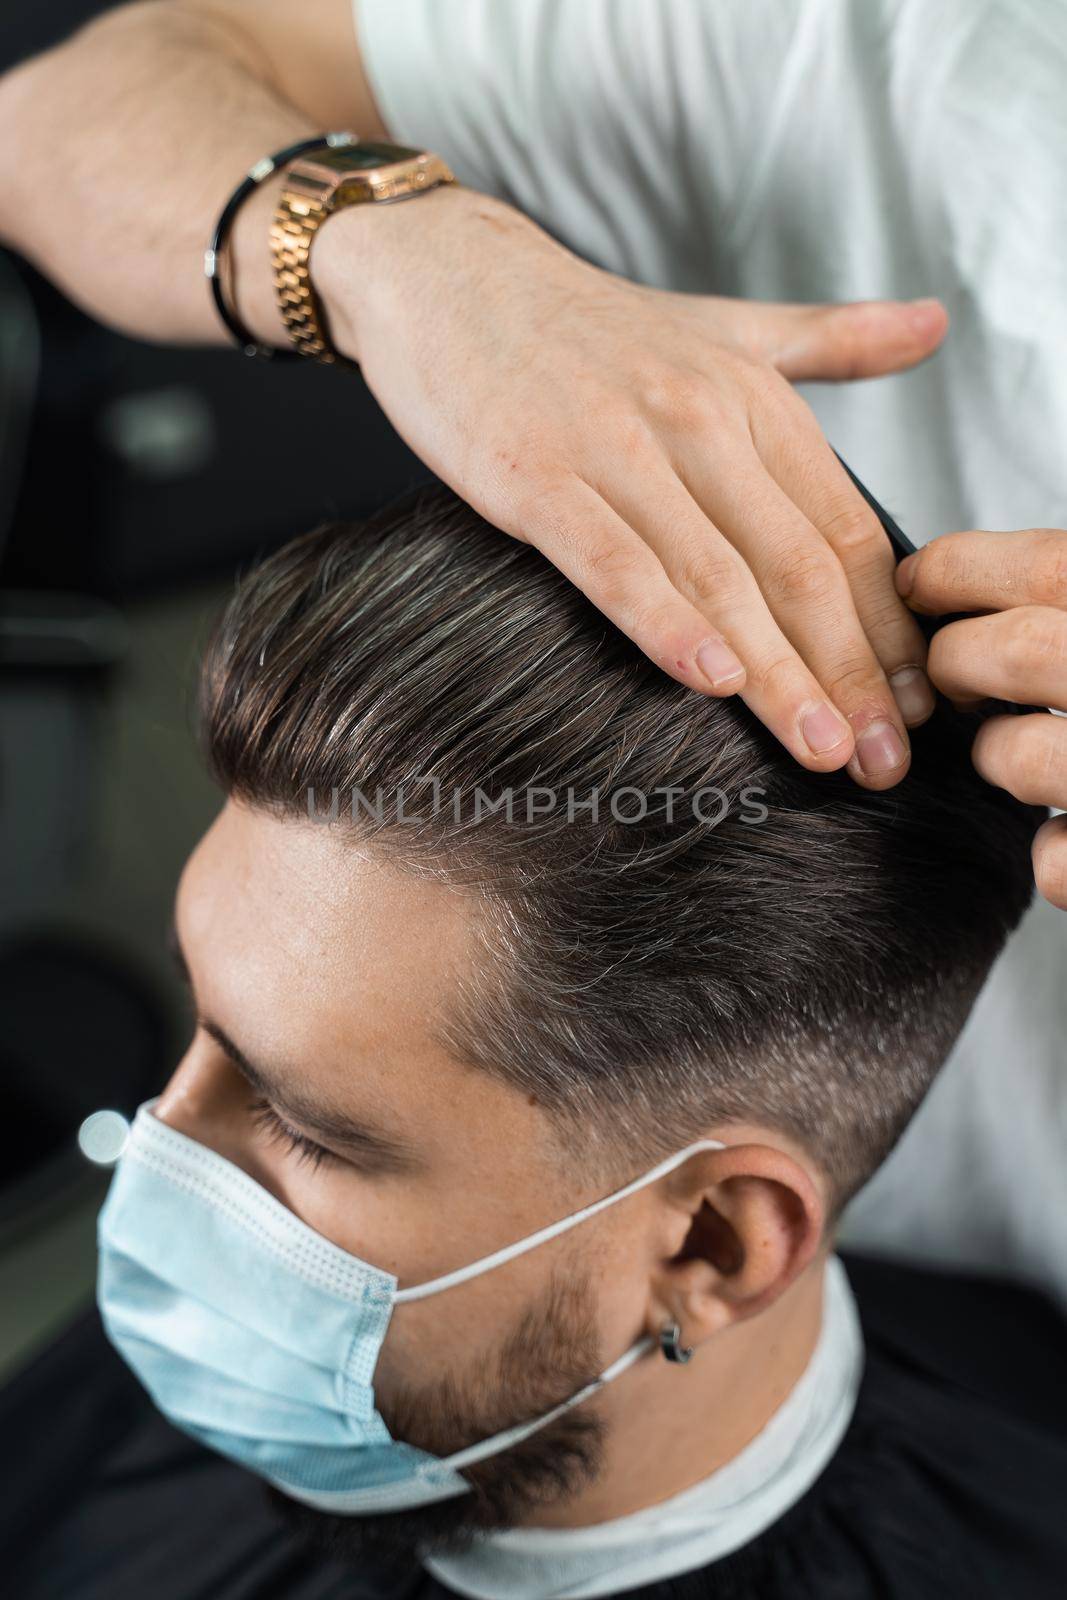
(701, 1524)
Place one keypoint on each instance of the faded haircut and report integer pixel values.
(647, 979)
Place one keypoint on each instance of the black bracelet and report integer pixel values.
(215, 253)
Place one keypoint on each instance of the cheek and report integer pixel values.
(451, 1334)
(417, 1234)
(461, 1334)
(429, 1344)
(620, 1278)
(375, 1221)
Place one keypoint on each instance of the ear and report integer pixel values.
(752, 1218)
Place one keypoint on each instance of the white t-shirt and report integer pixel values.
(823, 150)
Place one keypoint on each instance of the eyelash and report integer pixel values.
(306, 1150)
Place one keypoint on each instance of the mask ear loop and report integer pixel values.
(509, 1252)
(503, 1441)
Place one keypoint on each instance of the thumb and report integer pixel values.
(864, 339)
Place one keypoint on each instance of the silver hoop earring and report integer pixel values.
(670, 1342)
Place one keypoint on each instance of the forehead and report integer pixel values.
(316, 956)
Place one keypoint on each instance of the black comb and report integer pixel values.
(902, 546)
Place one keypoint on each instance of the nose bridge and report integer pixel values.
(207, 1099)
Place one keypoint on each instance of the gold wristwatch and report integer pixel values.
(314, 187)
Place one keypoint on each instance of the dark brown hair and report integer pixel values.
(647, 978)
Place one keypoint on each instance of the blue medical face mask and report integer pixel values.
(260, 1338)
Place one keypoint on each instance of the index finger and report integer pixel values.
(984, 571)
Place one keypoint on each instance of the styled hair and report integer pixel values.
(802, 956)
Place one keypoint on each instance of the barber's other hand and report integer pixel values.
(652, 446)
(1017, 652)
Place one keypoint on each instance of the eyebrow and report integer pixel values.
(361, 1139)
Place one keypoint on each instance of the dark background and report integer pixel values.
(135, 480)
(148, 466)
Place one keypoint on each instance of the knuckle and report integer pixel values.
(779, 678)
(894, 636)
(613, 423)
(854, 536)
(706, 577)
(1032, 634)
(610, 562)
(662, 628)
(855, 681)
(682, 400)
(801, 574)
(628, 433)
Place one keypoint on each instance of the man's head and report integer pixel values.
(568, 917)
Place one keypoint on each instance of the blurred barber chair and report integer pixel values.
(128, 473)
(78, 1027)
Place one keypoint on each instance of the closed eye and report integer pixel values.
(278, 1131)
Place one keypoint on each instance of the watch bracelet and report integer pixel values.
(295, 224)
(216, 256)
(297, 219)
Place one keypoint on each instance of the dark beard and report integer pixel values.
(553, 1352)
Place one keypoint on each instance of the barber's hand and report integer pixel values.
(651, 445)
(1017, 652)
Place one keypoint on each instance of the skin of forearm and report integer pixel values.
(118, 149)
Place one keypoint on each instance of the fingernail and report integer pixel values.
(718, 663)
(879, 749)
(906, 574)
(912, 692)
(823, 729)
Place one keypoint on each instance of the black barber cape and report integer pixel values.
(950, 1483)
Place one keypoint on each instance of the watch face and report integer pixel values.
(361, 157)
